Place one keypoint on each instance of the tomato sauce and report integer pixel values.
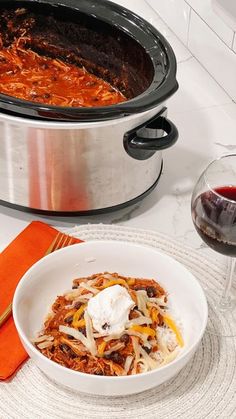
(26, 75)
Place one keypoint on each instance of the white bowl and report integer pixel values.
(53, 275)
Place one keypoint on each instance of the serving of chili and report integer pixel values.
(150, 337)
(27, 75)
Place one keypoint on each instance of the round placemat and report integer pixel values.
(205, 388)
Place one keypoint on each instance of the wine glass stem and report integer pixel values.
(226, 299)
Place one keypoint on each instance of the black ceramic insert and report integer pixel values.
(108, 40)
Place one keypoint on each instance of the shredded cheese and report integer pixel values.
(142, 299)
(89, 288)
(171, 324)
(139, 320)
(143, 364)
(154, 314)
(80, 323)
(142, 329)
(89, 333)
(115, 282)
(70, 296)
(128, 363)
(159, 301)
(142, 337)
(113, 337)
(137, 348)
(150, 362)
(83, 297)
(131, 281)
(170, 357)
(77, 315)
(42, 338)
(76, 334)
(44, 345)
(101, 348)
(115, 347)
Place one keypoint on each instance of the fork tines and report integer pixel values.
(61, 240)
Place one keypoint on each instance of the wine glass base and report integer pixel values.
(221, 320)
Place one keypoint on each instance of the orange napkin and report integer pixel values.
(27, 248)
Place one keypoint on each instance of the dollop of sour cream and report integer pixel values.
(109, 310)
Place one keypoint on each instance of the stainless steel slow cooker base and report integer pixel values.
(57, 160)
(87, 212)
(59, 169)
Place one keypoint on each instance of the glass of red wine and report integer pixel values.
(213, 209)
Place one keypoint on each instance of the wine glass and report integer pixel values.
(213, 209)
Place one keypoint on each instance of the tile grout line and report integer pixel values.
(170, 29)
(213, 30)
(192, 55)
(203, 108)
(200, 17)
(186, 59)
(232, 46)
(189, 23)
(213, 78)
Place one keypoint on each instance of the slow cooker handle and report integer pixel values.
(143, 141)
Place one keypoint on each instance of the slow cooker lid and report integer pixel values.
(155, 77)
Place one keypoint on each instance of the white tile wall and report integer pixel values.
(139, 7)
(208, 37)
(142, 8)
(227, 10)
(205, 11)
(175, 13)
(209, 93)
(215, 56)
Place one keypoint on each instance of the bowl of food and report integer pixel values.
(109, 317)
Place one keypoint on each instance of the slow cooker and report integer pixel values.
(66, 160)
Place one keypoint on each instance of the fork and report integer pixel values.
(61, 240)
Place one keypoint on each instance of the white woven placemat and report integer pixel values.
(205, 388)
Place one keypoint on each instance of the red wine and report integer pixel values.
(214, 216)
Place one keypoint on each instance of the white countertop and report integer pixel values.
(206, 119)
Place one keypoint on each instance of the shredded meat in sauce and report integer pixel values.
(26, 75)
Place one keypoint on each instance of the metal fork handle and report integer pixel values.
(6, 314)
